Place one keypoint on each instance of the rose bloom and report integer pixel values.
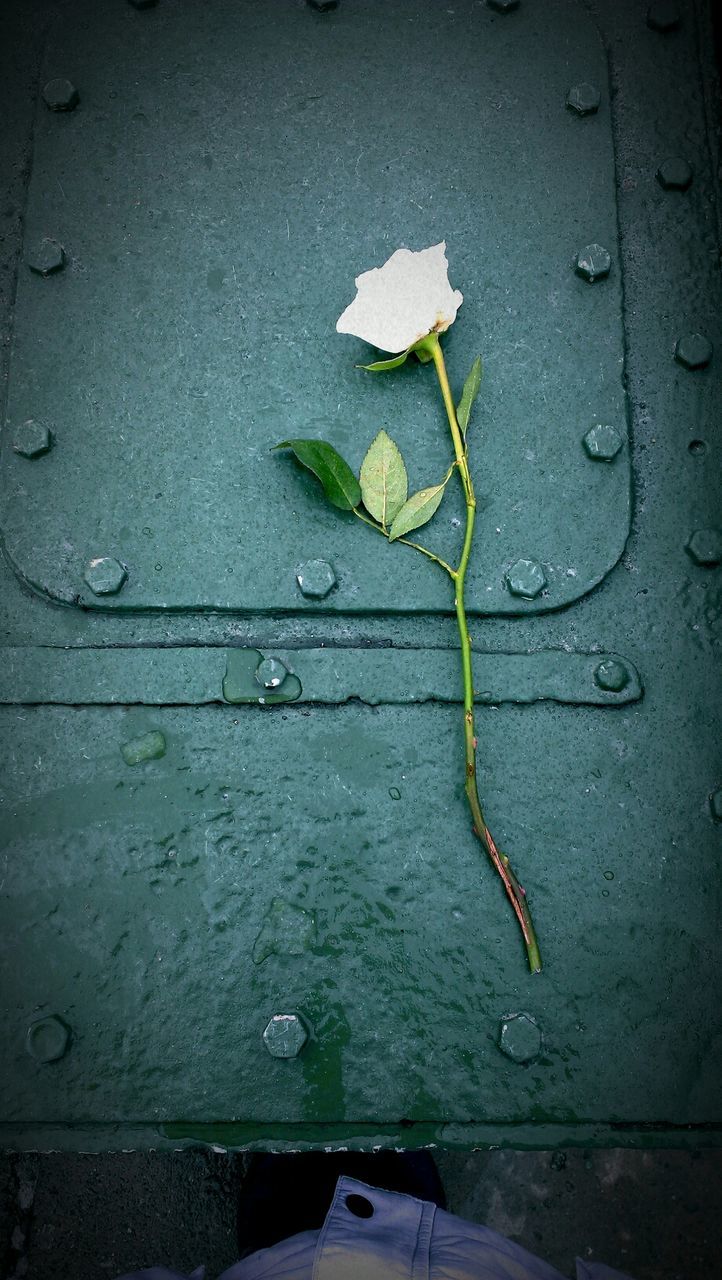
(403, 301)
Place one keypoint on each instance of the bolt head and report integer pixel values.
(593, 262)
(31, 439)
(526, 578)
(602, 442)
(611, 675)
(715, 805)
(584, 99)
(316, 578)
(693, 350)
(675, 174)
(520, 1037)
(46, 257)
(61, 95)
(48, 1039)
(704, 547)
(271, 673)
(285, 1035)
(105, 575)
(503, 6)
(663, 15)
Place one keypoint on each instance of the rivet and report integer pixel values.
(675, 173)
(271, 673)
(285, 1035)
(316, 578)
(663, 15)
(593, 262)
(526, 578)
(715, 805)
(602, 442)
(520, 1037)
(48, 1039)
(584, 99)
(46, 257)
(61, 95)
(323, 6)
(611, 675)
(503, 6)
(693, 350)
(31, 439)
(705, 547)
(148, 746)
(105, 575)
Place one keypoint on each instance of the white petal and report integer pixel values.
(402, 301)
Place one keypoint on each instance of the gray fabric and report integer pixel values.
(404, 1239)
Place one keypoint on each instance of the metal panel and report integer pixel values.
(214, 198)
(180, 863)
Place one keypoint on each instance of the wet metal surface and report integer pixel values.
(190, 849)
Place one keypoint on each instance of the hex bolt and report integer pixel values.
(285, 1035)
(61, 95)
(48, 1039)
(526, 578)
(693, 350)
(105, 575)
(602, 442)
(611, 675)
(46, 258)
(31, 439)
(663, 15)
(503, 6)
(715, 804)
(148, 746)
(593, 262)
(675, 174)
(520, 1037)
(704, 547)
(316, 578)
(584, 99)
(271, 673)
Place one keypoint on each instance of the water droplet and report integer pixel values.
(608, 875)
(158, 568)
(394, 793)
(605, 893)
(147, 531)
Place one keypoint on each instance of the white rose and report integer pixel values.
(403, 301)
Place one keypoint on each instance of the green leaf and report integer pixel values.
(384, 483)
(417, 511)
(339, 482)
(468, 395)
(380, 366)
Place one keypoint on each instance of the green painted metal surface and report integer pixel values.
(214, 216)
(225, 802)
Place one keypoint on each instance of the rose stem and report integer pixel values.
(515, 892)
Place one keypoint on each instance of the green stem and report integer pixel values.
(514, 890)
(407, 542)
